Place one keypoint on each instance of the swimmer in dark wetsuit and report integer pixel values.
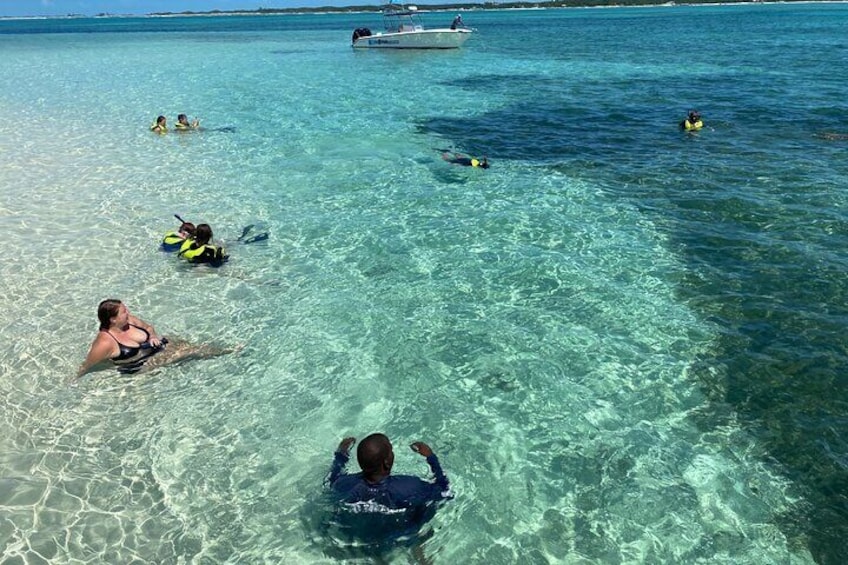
(123, 339)
(376, 506)
(459, 159)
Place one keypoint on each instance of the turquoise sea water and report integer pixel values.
(626, 344)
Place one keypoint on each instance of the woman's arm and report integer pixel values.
(101, 350)
(154, 339)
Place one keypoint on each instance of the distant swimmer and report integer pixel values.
(160, 125)
(184, 125)
(692, 122)
(174, 239)
(459, 159)
(200, 248)
(832, 136)
(130, 343)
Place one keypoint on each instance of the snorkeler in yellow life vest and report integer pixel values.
(183, 124)
(200, 250)
(174, 239)
(160, 125)
(459, 159)
(692, 122)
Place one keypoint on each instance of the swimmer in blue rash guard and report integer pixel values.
(406, 502)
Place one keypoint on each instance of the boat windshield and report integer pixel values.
(397, 18)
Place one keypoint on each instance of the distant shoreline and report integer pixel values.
(487, 6)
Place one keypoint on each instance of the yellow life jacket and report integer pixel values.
(163, 129)
(172, 241)
(687, 125)
(178, 125)
(208, 253)
(475, 162)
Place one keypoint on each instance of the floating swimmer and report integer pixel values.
(184, 125)
(692, 122)
(832, 136)
(174, 240)
(160, 126)
(130, 343)
(199, 249)
(460, 159)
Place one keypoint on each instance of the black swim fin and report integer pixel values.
(255, 238)
(245, 231)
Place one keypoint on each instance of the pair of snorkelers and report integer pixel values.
(194, 243)
(183, 124)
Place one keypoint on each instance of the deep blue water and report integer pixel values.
(625, 342)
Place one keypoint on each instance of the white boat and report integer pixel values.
(403, 30)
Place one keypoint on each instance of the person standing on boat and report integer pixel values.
(457, 22)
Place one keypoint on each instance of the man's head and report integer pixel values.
(375, 456)
(694, 115)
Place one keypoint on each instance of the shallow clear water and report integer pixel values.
(624, 342)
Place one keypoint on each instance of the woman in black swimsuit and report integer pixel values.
(124, 339)
(129, 342)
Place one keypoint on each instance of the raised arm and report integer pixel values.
(340, 459)
(441, 482)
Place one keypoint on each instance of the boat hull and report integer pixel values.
(419, 39)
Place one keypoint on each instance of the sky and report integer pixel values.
(141, 7)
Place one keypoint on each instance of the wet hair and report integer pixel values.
(372, 452)
(203, 234)
(188, 227)
(107, 310)
(182, 117)
(484, 163)
(160, 119)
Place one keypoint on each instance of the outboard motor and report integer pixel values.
(360, 32)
